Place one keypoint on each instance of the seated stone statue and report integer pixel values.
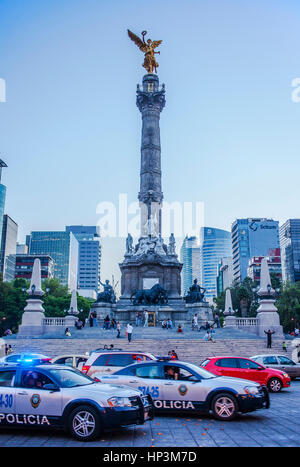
(195, 293)
(108, 295)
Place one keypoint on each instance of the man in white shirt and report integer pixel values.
(146, 319)
(129, 330)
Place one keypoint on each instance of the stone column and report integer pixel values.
(267, 314)
(32, 319)
(150, 101)
(73, 311)
(230, 319)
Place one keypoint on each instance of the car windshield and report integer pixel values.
(68, 378)
(204, 374)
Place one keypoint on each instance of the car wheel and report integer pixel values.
(224, 406)
(274, 385)
(84, 423)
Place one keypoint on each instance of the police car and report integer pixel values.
(54, 395)
(180, 386)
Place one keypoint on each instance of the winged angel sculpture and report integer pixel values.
(148, 48)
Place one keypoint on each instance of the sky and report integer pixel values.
(70, 130)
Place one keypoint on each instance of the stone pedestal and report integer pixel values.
(103, 309)
(203, 310)
(230, 321)
(32, 319)
(268, 318)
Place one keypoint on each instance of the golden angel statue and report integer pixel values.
(148, 48)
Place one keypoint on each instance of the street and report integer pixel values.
(277, 426)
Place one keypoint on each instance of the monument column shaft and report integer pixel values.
(150, 102)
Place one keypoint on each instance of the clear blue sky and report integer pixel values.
(70, 131)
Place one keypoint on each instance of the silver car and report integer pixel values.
(279, 362)
(53, 395)
(180, 386)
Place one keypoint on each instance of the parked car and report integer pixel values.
(74, 361)
(25, 358)
(241, 367)
(183, 387)
(110, 361)
(279, 362)
(46, 396)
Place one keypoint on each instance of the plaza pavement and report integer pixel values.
(276, 427)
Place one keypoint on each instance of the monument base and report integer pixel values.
(268, 318)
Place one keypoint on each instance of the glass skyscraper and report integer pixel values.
(290, 250)
(2, 198)
(251, 237)
(63, 248)
(190, 257)
(89, 259)
(215, 244)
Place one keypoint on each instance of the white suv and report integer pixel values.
(110, 361)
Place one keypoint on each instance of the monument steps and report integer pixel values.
(190, 350)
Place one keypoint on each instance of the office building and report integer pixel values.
(215, 244)
(2, 199)
(224, 274)
(290, 250)
(63, 248)
(190, 258)
(251, 237)
(8, 248)
(24, 266)
(89, 259)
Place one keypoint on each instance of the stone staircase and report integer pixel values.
(192, 350)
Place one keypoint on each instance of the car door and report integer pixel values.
(228, 367)
(270, 361)
(33, 398)
(252, 371)
(290, 367)
(147, 379)
(7, 392)
(184, 391)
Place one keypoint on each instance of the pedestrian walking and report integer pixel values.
(129, 330)
(119, 329)
(269, 338)
(146, 317)
(195, 322)
(284, 347)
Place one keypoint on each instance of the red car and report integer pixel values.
(240, 367)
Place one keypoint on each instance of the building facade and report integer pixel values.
(24, 266)
(2, 199)
(190, 256)
(89, 259)
(224, 274)
(274, 264)
(251, 237)
(215, 244)
(8, 248)
(290, 250)
(63, 248)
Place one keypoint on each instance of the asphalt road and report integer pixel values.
(275, 427)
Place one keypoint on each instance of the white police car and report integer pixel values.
(180, 386)
(53, 395)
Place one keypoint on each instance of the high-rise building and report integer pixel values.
(190, 257)
(2, 198)
(8, 248)
(24, 266)
(89, 259)
(224, 274)
(215, 244)
(63, 248)
(290, 250)
(274, 264)
(251, 237)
